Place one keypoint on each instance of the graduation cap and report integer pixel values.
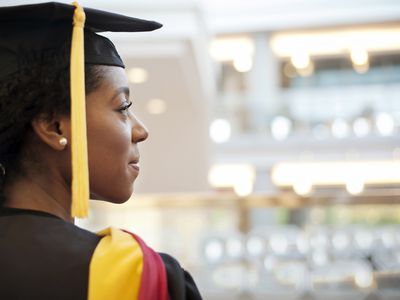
(65, 35)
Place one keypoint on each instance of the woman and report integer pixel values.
(42, 254)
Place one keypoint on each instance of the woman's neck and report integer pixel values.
(52, 197)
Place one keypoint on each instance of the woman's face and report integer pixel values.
(113, 136)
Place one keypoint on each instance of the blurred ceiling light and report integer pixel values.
(385, 124)
(300, 60)
(255, 246)
(302, 187)
(278, 243)
(231, 176)
(361, 127)
(220, 130)
(156, 106)
(214, 250)
(281, 127)
(230, 49)
(340, 128)
(336, 172)
(244, 187)
(243, 63)
(138, 75)
(336, 42)
(307, 71)
(355, 186)
(359, 56)
(364, 279)
(360, 59)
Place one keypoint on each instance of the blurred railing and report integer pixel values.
(286, 262)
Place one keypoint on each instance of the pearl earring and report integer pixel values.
(63, 141)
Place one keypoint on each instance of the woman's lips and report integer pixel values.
(134, 165)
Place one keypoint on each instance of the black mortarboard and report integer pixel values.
(62, 35)
(42, 33)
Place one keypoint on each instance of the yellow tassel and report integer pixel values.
(80, 168)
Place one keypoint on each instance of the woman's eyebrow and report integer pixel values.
(120, 90)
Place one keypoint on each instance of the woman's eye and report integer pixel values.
(124, 108)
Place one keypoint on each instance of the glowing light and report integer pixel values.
(138, 75)
(340, 129)
(307, 71)
(255, 246)
(214, 250)
(243, 63)
(229, 49)
(302, 187)
(333, 42)
(385, 124)
(364, 279)
(222, 176)
(278, 243)
(220, 131)
(244, 187)
(355, 186)
(336, 172)
(300, 60)
(281, 127)
(361, 127)
(359, 56)
(156, 106)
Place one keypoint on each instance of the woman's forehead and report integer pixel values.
(114, 76)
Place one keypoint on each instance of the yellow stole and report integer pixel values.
(116, 267)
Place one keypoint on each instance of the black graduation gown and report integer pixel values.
(44, 257)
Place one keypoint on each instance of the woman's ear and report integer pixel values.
(52, 130)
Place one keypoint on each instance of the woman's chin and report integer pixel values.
(116, 199)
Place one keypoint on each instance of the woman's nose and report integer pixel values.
(139, 132)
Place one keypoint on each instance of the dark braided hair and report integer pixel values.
(37, 90)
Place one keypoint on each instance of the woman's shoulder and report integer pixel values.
(37, 247)
(156, 276)
(38, 229)
(180, 283)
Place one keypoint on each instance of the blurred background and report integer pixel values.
(272, 170)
